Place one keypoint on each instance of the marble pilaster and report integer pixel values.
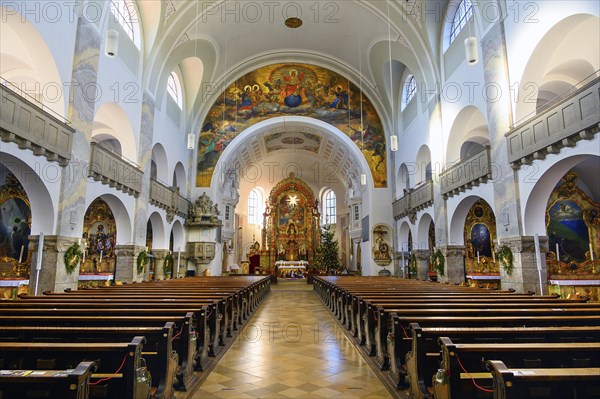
(126, 267)
(53, 275)
(454, 270)
(525, 276)
(422, 256)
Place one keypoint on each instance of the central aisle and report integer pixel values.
(292, 348)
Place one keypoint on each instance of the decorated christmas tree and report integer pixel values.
(327, 255)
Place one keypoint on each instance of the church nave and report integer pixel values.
(280, 354)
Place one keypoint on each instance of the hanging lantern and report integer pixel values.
(363, 179)
(471, 52)
(112, 43)
(191, 140)
(394, 143)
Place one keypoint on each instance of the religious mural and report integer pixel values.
(291, 89)
(15, 228)
(100, 238)
(479, 235)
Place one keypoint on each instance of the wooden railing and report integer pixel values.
(25, 122)
(574, 118)
(164, 197)
(465, 174)
(112, 169)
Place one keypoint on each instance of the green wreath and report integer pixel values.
(505, 256)
(168, 265)
(73, 258)
(142, 261)
(438, 261)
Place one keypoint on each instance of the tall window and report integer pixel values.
(254, 208)
(330, 214)
(174, 89)
(124, 13)
(464, 11)
(410, 89)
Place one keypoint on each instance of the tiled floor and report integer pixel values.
(292, 348)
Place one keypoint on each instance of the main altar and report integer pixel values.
(291, 228)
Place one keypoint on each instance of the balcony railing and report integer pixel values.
(183, 205)
(416, 199)
(465, 174)
(561, 125)
(164, 197)
(112, 169)
(24, 121)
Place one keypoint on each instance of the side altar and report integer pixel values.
(291, 232)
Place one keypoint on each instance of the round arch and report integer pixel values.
(403, 233)
(122, 217)
(457, 224)
(111, 121)
(469, 127)
(567, 53)
(159, 238)
(423, 163)
(178, 236)
(423, 231)
(42, 208)
(27, 62)
(402, 180)
(179, 179)
(535, 208)
(159, 156)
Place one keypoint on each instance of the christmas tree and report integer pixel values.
(327, 255)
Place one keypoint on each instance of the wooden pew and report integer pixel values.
(463, 371)
(563, 383)
(424, 358)
(120, 368)
(33, 384)
(184, 343)
(162, 366)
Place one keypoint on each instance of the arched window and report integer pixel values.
(410, 89)
(174, 89)
(330, 212)
(464, 11)
(124, 13)
(254, 207)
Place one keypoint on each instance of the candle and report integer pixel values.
(557, 253)
(477, 256)
(100, 256)
(494, 252)
(591, 252)
(23, 248)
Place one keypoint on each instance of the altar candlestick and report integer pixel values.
(100, 256)
(591, 252)
(178, 261)
(493, 253)
(557, 253)
(477, 256)
(23, 248)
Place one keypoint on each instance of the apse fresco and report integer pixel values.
(291, 90)
(567, 228)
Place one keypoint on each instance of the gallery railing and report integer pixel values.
(465, 174)
(26, 122)
(160, 194)
(416, 199)
(115, 170)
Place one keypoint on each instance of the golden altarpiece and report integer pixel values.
(291, 229)
(481, 265)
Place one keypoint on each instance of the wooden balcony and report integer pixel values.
(465, 174)
(416, 199)
(577, 117)
(114, 170)
(24, 121)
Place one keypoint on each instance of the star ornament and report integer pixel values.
(292, 200)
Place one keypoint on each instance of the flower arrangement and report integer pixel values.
(72, 258)
(142, 261)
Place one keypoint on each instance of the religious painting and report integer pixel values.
(292, 89)
(572, 220)
(15, 225)
(481, 239)
(479, 234)
(291, 212)
(100, 238)
(293, 141)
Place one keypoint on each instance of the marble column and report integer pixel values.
(126, 267)
(159, 261)
(454, 270)
(422, 256)
(53, 275)
(525, 276)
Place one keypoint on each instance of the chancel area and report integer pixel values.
(175, 173)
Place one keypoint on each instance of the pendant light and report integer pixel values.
(471, 50)
(393, 137)
(111, 47)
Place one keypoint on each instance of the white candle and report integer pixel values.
(557, 253)
(178, 261)
(494, 251)
(23, 248)
(477, 256)
(591, 252)
(100, 256)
